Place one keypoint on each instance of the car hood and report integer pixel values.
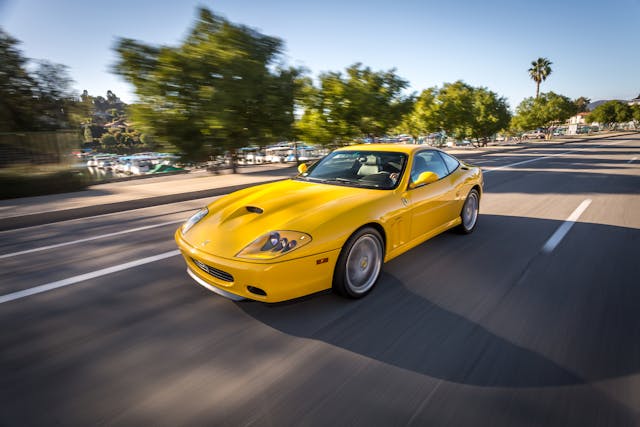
(239, 218)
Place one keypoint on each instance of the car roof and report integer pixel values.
(397, 148)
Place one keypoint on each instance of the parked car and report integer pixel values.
(533, 134)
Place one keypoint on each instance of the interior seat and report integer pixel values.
(370, 166)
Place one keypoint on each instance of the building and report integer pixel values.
(576, 122)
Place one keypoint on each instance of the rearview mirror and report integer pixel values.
(302, 168)
(423, 179)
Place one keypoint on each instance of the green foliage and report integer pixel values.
(460, 110)
(362, 102)
(455, 106)
(40, 100)
(108, 140)
(224, 86)
(582, 104)
(543, 111)
(539, 71)
(635, 113)
(490, 113)
(611, 112)
(374, 99)
(424, 118)
(16, 87)
(327, 118)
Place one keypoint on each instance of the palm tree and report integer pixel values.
(539, 71)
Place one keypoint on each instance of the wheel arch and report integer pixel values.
(338, 272)
(379, 228)
(478, 189)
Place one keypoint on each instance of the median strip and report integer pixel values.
(81, 278)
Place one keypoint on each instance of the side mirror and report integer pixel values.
(302, 168)
(423, 179)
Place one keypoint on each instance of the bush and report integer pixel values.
(20, 184)
(108, 140)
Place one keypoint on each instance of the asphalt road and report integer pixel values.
(528, 321)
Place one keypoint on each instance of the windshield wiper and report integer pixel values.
(342, 180)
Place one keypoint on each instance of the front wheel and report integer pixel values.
(359, 264)
(469, 214)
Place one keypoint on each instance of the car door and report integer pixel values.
(456, 179)
(430, 204)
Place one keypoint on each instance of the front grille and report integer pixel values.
(218, 274)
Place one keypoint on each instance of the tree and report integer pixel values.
(490, 114)
(16, 87)
(635, 114)
(424, 118)
(360, 103)
(108, 140)
(459, 110)
(470, 112)
(455, 107)
(224, 87)
(37, 100)
(611, 112)
(543, 111)
(539, 71)
(582, 104)
(327, 119)
(375, 102)
(53, 96)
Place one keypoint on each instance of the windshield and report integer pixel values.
(369, 169)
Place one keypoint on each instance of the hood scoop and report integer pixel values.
(242, 211)
(254, 209)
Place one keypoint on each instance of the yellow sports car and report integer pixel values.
(332, 226)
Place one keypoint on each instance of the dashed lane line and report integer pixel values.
(88, 239)
(83, 277)
(562, 231)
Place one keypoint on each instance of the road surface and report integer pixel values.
(532, 320)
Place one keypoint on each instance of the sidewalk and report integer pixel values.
(125, 195)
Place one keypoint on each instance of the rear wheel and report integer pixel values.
(359, 264)
(469, 214)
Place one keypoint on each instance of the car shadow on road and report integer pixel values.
(491, 319)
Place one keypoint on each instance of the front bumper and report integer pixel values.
(279, 280)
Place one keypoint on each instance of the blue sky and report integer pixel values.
(593, 44)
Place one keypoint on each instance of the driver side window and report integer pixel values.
(428, 161)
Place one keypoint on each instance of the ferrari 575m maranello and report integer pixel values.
(332, 226)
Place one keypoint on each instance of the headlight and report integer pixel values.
(274, 244)
(194, 219)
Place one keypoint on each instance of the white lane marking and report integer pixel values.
(88, 239)
(486, 171)
(81, 278)
(562, 231)
(519, 163)
(632, 160)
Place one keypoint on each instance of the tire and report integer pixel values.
(469, 213)
(359, 264)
